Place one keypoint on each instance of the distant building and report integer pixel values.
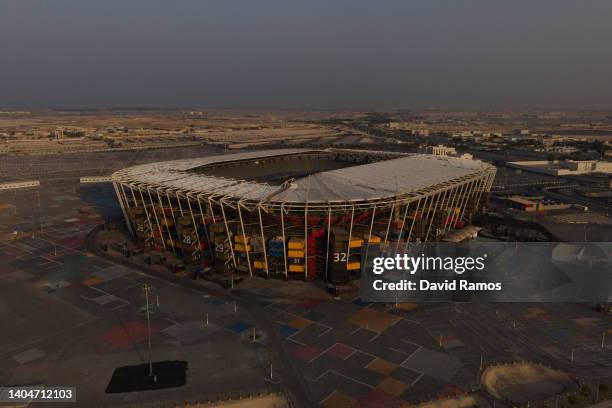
(564, 167)
(397, 125)
(560, 149)
(420, 132)
(441, 150)
(535, 204)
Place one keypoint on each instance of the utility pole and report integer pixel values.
(147, 289)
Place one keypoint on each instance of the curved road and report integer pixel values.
(293, 380)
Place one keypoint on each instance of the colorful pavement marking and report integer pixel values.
(534, 312)
(124, 335)
(341, 351)
(338, 400)
(587, 321)
(28, 355)
(373, 320)
(7, 269)
(450, 341)
(299, 323)
(407, 306)
(238, 327)
(92, 281)
(40, 283)
(360, 303)
(433, 363)
(73, 242)
(306, 353)
(381, 366)
(215, 301)
(105, 299)
(380, 399)
(286, 330)
(311, 304)
(392, 386)
(191, 332)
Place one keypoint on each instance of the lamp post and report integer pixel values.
(146, 288)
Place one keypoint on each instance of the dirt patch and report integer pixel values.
(522, 382)
(464, 401)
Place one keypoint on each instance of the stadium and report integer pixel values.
(298, 213)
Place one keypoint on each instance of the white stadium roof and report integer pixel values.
(404, 174)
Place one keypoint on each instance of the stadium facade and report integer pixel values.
(297, 212)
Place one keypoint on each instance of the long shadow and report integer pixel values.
(101, 198)
(166, 374)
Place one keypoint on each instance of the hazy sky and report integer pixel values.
(310, 54)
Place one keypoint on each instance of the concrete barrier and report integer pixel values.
(19, 184)
(100, 179)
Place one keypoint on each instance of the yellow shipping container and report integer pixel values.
(242, 248)
(295, 253)
(356, 243)
(351, 266)
(185, 221)
(296, 268)
(167, 222)
(296, 244)
(374, 239)
(260, 265)
(242, 239)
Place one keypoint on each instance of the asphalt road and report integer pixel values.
(591, 204)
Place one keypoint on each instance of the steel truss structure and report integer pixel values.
(233, 224)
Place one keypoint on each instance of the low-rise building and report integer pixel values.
(564, 167)
(535, 203)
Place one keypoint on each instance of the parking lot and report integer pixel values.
(70, 318)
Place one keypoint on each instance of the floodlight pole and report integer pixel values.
(147, 289)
